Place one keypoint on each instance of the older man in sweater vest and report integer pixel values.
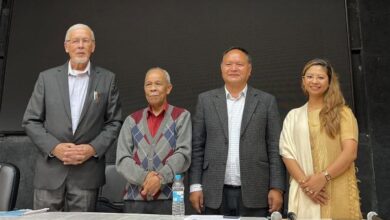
(154, 144)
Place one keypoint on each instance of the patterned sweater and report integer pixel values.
(168, 152)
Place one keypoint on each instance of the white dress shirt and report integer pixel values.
(78, 86)
(235, 109)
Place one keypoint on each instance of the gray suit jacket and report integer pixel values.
(261, 167)
(47, 121)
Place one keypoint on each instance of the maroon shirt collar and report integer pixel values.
(165, 108)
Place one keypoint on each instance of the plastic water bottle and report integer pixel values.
(178, 196)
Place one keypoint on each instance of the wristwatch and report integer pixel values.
(328, 177)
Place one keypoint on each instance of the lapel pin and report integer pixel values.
(96, 96)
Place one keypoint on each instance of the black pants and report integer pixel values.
(232, 205)
(163, 207)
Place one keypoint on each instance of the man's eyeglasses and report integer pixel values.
(77, 41)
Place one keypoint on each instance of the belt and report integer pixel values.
(231, 186)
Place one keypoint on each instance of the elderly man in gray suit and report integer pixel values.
(73, 117)
(236, 169)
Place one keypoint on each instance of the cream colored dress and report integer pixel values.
(342, 191)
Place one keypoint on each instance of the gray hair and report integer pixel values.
(166, 74)
(79, 26)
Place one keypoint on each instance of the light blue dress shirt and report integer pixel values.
(78, 87)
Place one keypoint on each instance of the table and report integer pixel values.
(100, 216)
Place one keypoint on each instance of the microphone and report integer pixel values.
(291, 216)
(373, 216)
(276, 216)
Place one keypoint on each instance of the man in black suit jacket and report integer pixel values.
(73, 117)
(236, 168)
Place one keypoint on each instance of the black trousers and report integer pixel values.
(163, 207)
(232, 205)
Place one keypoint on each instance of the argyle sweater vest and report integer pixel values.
(150, 152)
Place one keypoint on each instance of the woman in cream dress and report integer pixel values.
(319, 146)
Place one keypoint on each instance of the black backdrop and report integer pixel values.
(133, 36)
(184, 37)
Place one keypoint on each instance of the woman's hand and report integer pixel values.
(314, 183)
(314, 188)
(319, 198)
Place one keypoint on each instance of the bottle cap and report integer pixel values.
(177, 177)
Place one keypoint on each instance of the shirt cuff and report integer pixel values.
(195, 187)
